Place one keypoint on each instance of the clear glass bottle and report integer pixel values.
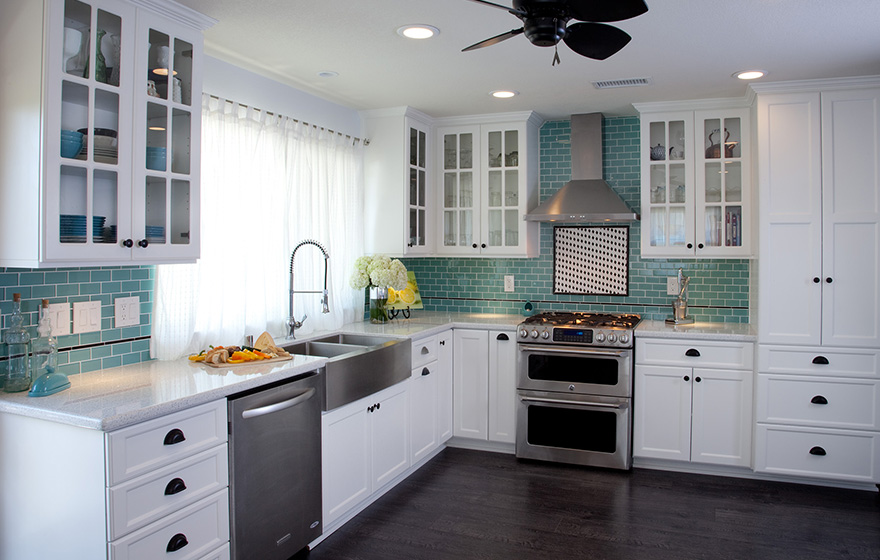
(17, 339)
(44, 351)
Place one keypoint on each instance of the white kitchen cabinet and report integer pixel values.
(485, 385)
(693, 401)
(118, 495)
(487, 181)
(364, 447)
(129, 198)
(399, 201)
(696, 181)
(430, 395)
(819, 267)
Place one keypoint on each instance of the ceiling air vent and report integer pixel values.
(628, 82)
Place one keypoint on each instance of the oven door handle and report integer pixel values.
(569, 350)
(573, 403)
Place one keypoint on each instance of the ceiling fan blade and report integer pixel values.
(595, 40)
(517, 13)
(607, 10)
(494, 40)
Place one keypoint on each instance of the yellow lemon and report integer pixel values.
(392, 297)
(406, 295)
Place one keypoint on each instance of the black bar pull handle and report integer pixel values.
(502, 336)
(175, 436)
(175, 486)
(818, 451)
(693, 353)
(177, 542)
(821, 360)
(426, 371)
(819, 399)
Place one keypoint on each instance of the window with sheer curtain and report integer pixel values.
(267, 183)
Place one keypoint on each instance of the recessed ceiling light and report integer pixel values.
(418, 31)
(504, 93)
(328, 74)
(750, 74)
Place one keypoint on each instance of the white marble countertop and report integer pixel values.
(741, 332)
(117, 397)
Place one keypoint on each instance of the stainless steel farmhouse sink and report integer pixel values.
(358, 365)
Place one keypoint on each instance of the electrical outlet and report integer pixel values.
(672, 285)
(86, 316)
(59, 313)
(508, 283)
(128, 311)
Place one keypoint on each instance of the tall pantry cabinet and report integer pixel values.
(818, 386)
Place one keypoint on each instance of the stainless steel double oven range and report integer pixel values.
(574, 388)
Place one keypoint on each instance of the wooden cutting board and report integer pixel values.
(251, 363)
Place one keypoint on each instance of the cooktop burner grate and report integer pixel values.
(568, 318)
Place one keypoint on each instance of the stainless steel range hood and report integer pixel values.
(587, 198)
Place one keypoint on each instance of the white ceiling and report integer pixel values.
(689, 48)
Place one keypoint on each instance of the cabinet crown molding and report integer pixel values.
(696, 104)
(805, 86)
(530, 117)
(178, 12)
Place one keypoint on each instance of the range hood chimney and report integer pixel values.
(587, 198)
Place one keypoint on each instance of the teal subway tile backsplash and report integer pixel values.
(80, 353)
(718, 291)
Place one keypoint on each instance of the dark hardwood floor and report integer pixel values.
(477, 505)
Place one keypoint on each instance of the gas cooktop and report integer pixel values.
(579, 328)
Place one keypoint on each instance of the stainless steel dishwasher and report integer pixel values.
(275, 469)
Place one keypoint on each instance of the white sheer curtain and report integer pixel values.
(267, 183)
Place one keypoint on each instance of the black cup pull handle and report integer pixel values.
(175, 436)
(177, 542)
(426, 371)
(425, 350)
(820, 360)
(819, 399)
(693, 353)
(175, 486)
(502, 336)
(818, 451)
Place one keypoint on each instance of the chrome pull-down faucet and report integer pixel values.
(292, 323)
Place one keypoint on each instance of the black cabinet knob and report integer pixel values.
(819, 399)
(693, 353)
(698, 379)
(816, 279)
(371, 408)
(687, 377)
(143, 243)
(127, 243)
(378, 406)
(174, 437)
(409, 244)
(474, 245)
(177, 542)
(828, 280)
(690, 245)
(175, 486)
(818, 451)
(700, 246)
(482, 245)
(820, 360)
(442, 343)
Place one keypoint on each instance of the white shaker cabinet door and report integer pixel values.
(502, 386)
(471, 383)
(662, 412)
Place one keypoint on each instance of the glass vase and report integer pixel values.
(378, 299)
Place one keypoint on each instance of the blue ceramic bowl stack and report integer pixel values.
(156, 234)
(98, 229)
(155, 158)
(71, 143)
(73, 228)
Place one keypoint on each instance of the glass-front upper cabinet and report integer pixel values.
(97, 85)
(417, 197)
(695, 183)
(501, 226)
(460, 176)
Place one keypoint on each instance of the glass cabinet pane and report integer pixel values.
(466, 193)
(713, 179)
(422, 162)
(713, 226)
(74, 120)
(77, 28)
(180, 141)
(107, 48)
(155, 210)
(658, 226)
(676, 141)
(180, 212)
(511, 187)
(450, 151)
(658, 184)
(413, 147)
(511, 228)
(103, 143)
(733, 138)
(450, 190)
(104, 206)
(467, 151)
(73, 204)
(466, 230)
(449, 228)
(511, 148)
(157, 133)
(158, 64)
(496, 227)
(677, 184)
(181, 82)
(677, 226)
(496, 150)
(494, 189)
(733, 181)
(422, 187)
(657, 145)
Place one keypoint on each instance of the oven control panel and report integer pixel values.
(620, 338)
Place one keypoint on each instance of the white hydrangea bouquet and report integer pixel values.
(378, 273)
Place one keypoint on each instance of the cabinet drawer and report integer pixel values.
(138, 502)
(221, 553)
(809, 361)
(710, 354)
(848, 455)
(202, 526)
(135, 450)
(819, 401)
(424, 351)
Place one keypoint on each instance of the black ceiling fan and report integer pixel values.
(545, 23)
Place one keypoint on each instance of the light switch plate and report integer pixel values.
(86, 316)
(128, 311)
(59, 313)
(671, 286)
(508, 283)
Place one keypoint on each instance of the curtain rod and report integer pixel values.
(365, 141)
